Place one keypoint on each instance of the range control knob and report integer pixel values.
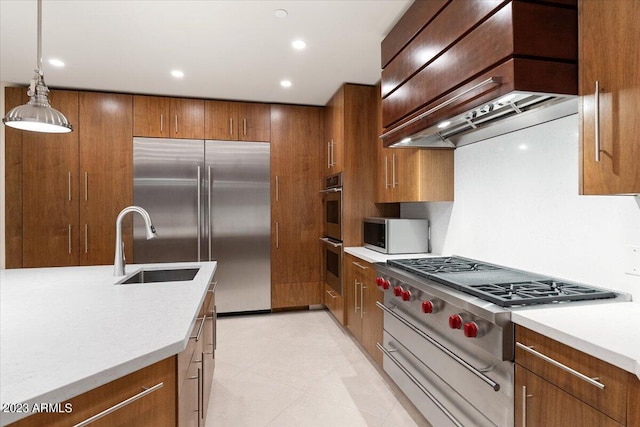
(428, 307)
(406, 295)
(380, 281)
(471, 330)
(386, 285)
(397, 291)
(455, 321)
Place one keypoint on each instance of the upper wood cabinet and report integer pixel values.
(237, 121)
(106, 173)
(296, 205)
(334, 133)
(162, 117)
(610, 89)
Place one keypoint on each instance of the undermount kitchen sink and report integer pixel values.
(156, 276)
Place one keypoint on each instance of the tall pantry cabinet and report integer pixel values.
(296, 205)
(64, 191)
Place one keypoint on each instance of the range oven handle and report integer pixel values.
(331, 190)
(420, 386)
(494, 385)
(335, 245)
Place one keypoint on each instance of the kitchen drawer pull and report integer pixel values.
(557, 364)
(494, 385)
(328, 241)
(490, 80)
(161, 123)
(176, 116)
(420, 386)
(197, 335)
(212, 287)
(244, 127)
(360, 265)
(596, 123)
(332, 294)
(230, 126)
(120, 405)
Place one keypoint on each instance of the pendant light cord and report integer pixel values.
(39, 59)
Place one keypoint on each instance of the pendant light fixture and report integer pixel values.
(38, 115)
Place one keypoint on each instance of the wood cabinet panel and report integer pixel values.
(237, 121)
(50, 191)
(416, 17)
(106, 168)
(609, 30)
(633, 402)
(151, 116)
(611, 400)
(187, 118)
(547, 405)
(335, 133)
(296, 205)
(335, 303)
(156, 409)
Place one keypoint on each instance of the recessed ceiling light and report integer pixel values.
(56, 62)
(444, 124)
(177, 74)
(285, 83)
(280, 13)
(299, 44)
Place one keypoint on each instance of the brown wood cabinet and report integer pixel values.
(551, 396)
(609, 40)
(296, 205)
(334, 123)
(106, 173)
(155, 409)
(237, 121)
(67, 189)
(162, 117)
(363, 318)
(335, 303)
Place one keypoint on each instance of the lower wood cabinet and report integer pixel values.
(548, 395)
(363, 318)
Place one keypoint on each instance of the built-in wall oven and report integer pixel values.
(332, 240)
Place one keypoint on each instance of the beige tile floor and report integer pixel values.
(299, 369)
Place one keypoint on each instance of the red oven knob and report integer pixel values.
(455, 321)
(406, 295)
(397, 291)
(427, 307)
(380, 281)
(471, 329)
(386, 285)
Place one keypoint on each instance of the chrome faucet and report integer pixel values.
(119, 261)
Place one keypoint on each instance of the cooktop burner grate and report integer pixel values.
(502, 286)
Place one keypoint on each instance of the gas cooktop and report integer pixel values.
(500, 285)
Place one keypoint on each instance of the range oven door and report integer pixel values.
(332, 200)
(332, 256)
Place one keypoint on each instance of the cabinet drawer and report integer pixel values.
(334, 302)
(610, 400)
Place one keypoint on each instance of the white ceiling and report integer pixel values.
(229, 49)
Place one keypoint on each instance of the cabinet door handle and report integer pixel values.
(277, 190)
(176, 117)
(69, 239)
(277, 235)
(161, 123)
(393, 172)
(386, 172)
(120, 405)
(596, 123)
(562, 366)
(69, 186)
(86, 186)
(333, 153)
(362, 288)
(524, 405)
(328, 154)
(244, 127)
(86, 238)
(355, 296)
(230, 125)
(199, 333)
(360, 265)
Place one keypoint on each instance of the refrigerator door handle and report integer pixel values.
(210, 226)
(199, 213)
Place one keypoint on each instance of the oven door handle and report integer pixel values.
(494, 385)
(331, 190)
(329, 242)
(422, 388)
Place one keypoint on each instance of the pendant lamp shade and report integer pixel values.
(38, 115)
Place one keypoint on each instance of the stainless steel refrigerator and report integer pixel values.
(208, 200)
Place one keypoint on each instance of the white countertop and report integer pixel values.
(610, 331)
(64, 331)
(373, 256)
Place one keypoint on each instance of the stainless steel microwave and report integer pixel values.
(397, 235)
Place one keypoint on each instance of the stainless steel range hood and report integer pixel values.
(514, 111)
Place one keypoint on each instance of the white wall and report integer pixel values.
(517, 204)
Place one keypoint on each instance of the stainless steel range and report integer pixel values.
(448, 335)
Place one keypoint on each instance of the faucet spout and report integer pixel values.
(119, 261)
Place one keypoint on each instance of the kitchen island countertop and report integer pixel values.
(65, 331)
(607, 331)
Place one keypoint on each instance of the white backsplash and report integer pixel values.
(517, 204)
